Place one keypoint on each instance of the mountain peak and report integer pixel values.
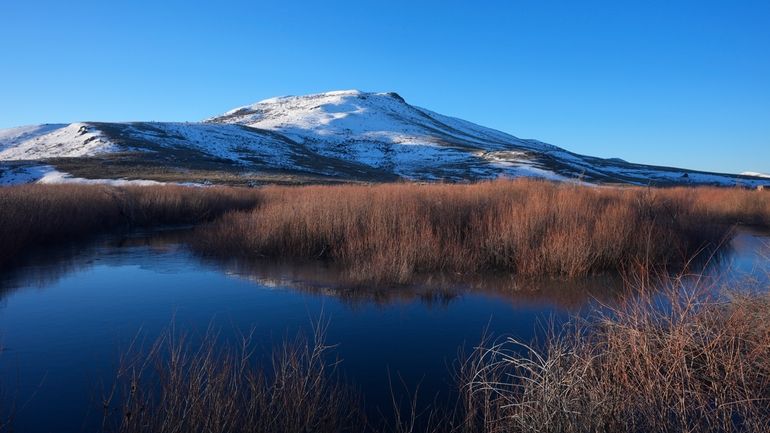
(341, 134)
(336, 116)
(334, 96)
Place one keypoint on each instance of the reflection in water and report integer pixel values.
(68, 312)
(43, 266)
(745, 258)
(436, 289)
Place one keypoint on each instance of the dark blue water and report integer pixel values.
(66, 316)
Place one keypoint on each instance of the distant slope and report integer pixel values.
(334, 136)
(755, 174)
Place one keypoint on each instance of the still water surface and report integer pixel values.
(66, 315)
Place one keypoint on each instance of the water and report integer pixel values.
(68, 313)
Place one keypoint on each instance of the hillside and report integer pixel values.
(328, 137)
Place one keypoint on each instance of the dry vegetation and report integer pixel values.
(677, 361)
(388, 233)
(177, 386)
(677, 364)
(671, 363)
(732, 205)
(33, 215)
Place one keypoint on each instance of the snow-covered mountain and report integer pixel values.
(334, 136)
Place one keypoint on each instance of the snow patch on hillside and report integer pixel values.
(755, 174)
(17, 175)
(13, 136)
(53, 141)
(46, 174)
(682, 176)
(57, 177)
(236, 143)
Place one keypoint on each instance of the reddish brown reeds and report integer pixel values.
(389, 233)
(34, 215)
(671, 363)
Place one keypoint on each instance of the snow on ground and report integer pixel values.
(379, 130)
(57, 177)
(755, 174)
(46, 174)
(351, 115)
(646, 174)
(231, 142)
(13, 136)
(518, 164)
(683, 176)
(333, 117)
(376, 129)
(469, 130)
(52, 141)
(15, 175)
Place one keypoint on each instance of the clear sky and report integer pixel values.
(663, 82)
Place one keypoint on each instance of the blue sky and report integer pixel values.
(663, 82)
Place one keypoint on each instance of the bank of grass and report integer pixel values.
(731, 205)
(662, 363)
(387, 233)
(38, 215)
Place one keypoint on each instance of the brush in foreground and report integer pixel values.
(215, 387)
(673, 364)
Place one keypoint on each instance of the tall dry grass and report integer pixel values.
(677, 363)
(216, 387)
(33, 215)
(389, 233)
(734, 205)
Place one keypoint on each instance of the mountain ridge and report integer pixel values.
(337, 136)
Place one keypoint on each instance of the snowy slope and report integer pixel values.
(227, 142)
(755, 174)
(351, 115)
(13, 137)
(52, 141)
(382, 130)
(344, 135)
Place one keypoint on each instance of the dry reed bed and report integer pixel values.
(388, 233)
(32, 215)
(672, 364)
(733, 205)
